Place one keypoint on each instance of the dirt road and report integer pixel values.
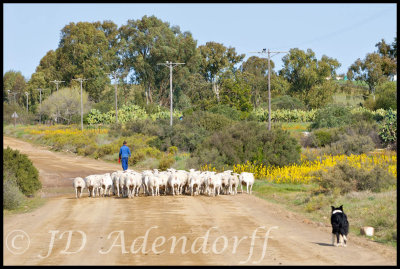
(166, 230)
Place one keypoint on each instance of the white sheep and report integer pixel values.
(183, 177)
(233, 183)
(137, 182)
(194, 182)
(79, 184)
(117, 184)
(93, 185)
(247, 179)
(204, 182)
(106, 184)
(225, 177)
(163, 181)
(150, 182)
(213, 184)
(128, 182)
(174, 181)
(154, 183)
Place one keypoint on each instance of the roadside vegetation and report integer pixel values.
(20, 183)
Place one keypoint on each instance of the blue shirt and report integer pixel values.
(124, 152)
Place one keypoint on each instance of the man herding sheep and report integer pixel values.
(124, 154)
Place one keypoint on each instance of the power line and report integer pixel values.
(170, 65)
(341, 30)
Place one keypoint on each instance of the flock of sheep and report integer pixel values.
(176, 182)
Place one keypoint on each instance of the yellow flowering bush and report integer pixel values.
(62, 130)
(302, 173)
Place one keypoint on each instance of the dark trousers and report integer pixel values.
(124, 163)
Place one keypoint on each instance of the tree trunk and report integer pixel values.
(151, 98)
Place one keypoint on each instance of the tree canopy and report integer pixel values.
(376, 67)
(213, 73)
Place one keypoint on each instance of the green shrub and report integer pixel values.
(12, 196)
(115, 130)
(363, 128)
(208, 121)
(172, 150)
(159, 127)
(386, 96)
(287, 102)
(347, 178)
(370, 103)
(348, 145)
(166, 162)
(388, 128)
(248, 141)
(342, 176)
(367, 116)
(20, 167)
(309, 141)
(323, 136)
(331, 116)
(227, 111)
(187, 137)
(105, 150)
(87, 150)
(376, 180)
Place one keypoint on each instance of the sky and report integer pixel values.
(345, 32)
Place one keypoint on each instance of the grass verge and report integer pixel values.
(362, 208)
(29, 204)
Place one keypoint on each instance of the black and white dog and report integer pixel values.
(340, 225)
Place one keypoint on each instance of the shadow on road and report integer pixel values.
(323, 244)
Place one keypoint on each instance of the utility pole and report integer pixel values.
(114, 75)
(27, 106)
(81, 80)
(57, 82)
(170, 65)
(40, 113)
(269, 80)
